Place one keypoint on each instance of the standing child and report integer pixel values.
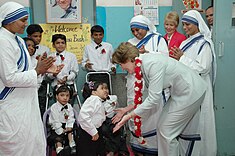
(31, 46)
(62, 120)
(32, 49)
(70, 70)
(34, 31)
(98, 54)
(91, 118)
(114, 142)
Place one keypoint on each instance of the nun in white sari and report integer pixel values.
(21, 128)
(197, 52)
(146, 39)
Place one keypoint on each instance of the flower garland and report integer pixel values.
(138, 98)
(191, 4)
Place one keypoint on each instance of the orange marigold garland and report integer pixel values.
(138, 98)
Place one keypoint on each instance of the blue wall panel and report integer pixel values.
(116, 23)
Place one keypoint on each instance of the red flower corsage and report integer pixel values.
(62, 57)
(138, 98)
(66, 116)
(103, 51)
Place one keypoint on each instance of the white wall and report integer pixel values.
(23, 2)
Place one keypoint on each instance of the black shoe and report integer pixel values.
(73, 150)
(64, 152)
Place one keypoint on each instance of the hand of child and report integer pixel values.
(88, 65)
(55, 69)
(95, 137)
(63, 80)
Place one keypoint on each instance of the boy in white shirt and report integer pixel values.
(31, 46)
(98, 54)
(69, 73)
(34, 31)
(62, 121)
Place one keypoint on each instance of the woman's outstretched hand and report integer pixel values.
(120, 112)
(121, 123)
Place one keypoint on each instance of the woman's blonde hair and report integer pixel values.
(172, 17)
(125, 52)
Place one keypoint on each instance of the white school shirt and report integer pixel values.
(70, 68)
(21, 127)
(41, 49)
(109, 105)
(92, 115)
(57, 117)
(100, 57)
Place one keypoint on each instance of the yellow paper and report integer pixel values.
(77, 35)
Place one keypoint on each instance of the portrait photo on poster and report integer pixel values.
(63, 11)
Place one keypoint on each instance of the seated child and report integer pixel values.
(115, 143)
(69, 60)
(91, 118)
(62, 121)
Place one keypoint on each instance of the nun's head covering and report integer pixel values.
(10, 12)
(142, 22)
(194, 17)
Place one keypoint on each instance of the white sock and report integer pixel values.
(72, 143)
(58, 149)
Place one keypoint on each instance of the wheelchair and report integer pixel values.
(50, 94)
(48, 133)
(100, 76)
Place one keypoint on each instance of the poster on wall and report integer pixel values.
(148, 8)
(58, 11)
(77, 37)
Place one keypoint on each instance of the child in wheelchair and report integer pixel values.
(70, 70)
(61, 119)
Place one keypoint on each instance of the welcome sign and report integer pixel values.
(77, 35)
